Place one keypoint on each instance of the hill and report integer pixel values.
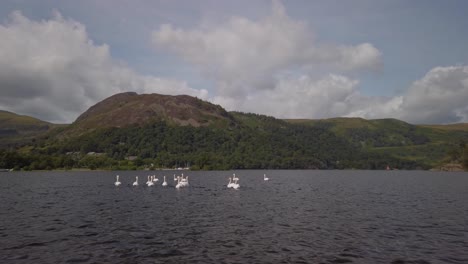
(131, 131)
(125, 109)
(450, 127)
(373, 133)
(16, 130)
(429, 144)
(250, 142)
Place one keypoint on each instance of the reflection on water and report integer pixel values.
(296, 217)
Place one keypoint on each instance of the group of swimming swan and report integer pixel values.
(183, 181)
(234, 184)
(233, 181)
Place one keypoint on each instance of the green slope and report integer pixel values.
(428, 144)
(17, 130)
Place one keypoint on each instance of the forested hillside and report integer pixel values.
(432, 145)
(178, 131)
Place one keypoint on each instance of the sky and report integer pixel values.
(288, 59)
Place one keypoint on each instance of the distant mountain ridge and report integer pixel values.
(372, 133)
(16, 128)
(16, 121)
(430, 144)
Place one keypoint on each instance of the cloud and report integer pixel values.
(301, 97)
(439, 97)
(308, 97)
(277, 66)
(242, 55)
(51, 69)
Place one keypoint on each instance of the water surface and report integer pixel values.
(296, 217)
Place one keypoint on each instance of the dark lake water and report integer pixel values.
(296, 217)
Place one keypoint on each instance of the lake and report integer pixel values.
(302, 216)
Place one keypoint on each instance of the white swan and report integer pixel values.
(185, 182)
(175, 179)
(150, 181)
(235, 185)
(182, 182)
(229, 185)
(234, 178)
(136, 181)
(164, 183)
(178, 185)
(117, 183)
(265, 178)
(155, 179)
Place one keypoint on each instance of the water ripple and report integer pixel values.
(296, 217)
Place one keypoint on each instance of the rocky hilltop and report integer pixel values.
(124, 109)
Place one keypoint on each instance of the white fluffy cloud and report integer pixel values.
(276, 66)
(52, 70)
(242, 55)
(306, 97)
(441, 96)
(300, 97)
